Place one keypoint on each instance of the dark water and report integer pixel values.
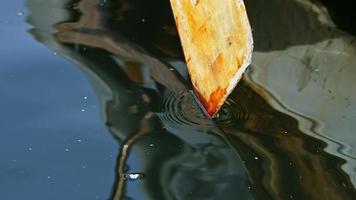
(96, 104)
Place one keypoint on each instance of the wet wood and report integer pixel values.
(217, 43)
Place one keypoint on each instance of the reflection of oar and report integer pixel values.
(217, 43)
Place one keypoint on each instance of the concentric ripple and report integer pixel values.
(182, 109)
(232, 113)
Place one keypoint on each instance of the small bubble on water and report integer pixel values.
(79, 140)
(14, 161)
(143, 20)
(133, 176)
(66, 149)
(30, 148)
(55, 53)
(85, 97)
(285, 132)
(84, 167)
(20, 13)
(83, 110)
(151, 145)
(256, 158)
(49, 177)
(172, 69)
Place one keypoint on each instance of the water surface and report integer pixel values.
(96, 104)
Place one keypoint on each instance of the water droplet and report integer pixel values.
(143, 20)
(133, 176)
(49, 177)
(30, 148)
(20, 13)
(83, 110)
(55, 53)
(172, 69)
(285, 132)
(84, 167)
(79, 140)
(66, 149)
(85, 97)
(256, 158)
(151, 145)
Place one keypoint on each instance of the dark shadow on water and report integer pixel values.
(252, 151)
(150, 24)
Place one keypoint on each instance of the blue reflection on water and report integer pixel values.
(53, 143)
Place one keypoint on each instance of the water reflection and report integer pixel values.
(252, 151)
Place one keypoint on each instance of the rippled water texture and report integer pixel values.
(127, 125)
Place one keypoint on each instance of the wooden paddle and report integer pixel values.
(217, 43)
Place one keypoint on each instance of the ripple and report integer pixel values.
(182, 109)
(232, 113)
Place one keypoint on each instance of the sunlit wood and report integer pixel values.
(217, 44)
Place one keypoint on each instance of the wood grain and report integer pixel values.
(217, 43)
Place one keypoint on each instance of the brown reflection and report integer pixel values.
(280, 160)
(123, 154)
(283, 162)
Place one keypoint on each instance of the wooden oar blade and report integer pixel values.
(217, 43)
